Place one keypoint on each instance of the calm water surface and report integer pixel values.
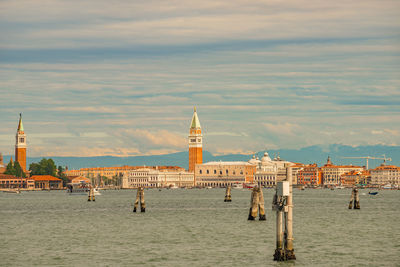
(195, 228)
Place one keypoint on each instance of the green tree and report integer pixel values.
(61, 175)
(18, 170)
(44, 167)
(10, 169)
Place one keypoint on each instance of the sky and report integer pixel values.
(121, 78)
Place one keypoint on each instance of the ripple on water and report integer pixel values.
(194, 228)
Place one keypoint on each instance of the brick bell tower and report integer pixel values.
(20, 145)
(195, 143)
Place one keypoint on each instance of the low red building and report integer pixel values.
(11, 181)
(47, 182)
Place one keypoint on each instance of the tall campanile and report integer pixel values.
(195, 143)
(20, 145)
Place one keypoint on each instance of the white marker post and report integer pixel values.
(283, 205)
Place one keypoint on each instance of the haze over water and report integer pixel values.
(194, 228)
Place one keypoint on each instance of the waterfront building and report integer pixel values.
(266, 171)
(221, 174)
(47, 182)
(310, 175)
(195, 143)
(111, 172)
(353, 178)
(20, 145)
(143, 177)
(331, 174)
(385, 174)
(269, 171)
(11, 181)
(157, 178)
(176, 179)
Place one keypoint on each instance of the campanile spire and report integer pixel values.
(195, 142)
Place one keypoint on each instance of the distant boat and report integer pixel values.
(373, 193)
(12, 191)
(78, 189)
(249, 186)
(237, 186)
(388, 186)
(96, 192)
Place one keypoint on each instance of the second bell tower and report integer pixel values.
(20, 145)
(195, 143)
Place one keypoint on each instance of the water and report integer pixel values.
(195, 228)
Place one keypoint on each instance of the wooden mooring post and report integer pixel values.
(354, 199)
(91, 194)
(228, 197)
(257, 204)
(140, 198)
(283, 205)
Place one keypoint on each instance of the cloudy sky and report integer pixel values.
(122, 77)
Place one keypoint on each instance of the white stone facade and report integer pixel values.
(383, 175)
(271, 171)
(147, 177)
(221, 174)
(332, 173)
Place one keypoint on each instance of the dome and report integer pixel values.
(265, 158)
(253, 160)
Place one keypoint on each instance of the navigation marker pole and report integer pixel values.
(257, 204)
(254, 204)
(283, 205)
(228, 197)
(140, 198)
(354, 199)
(91, 194)
(261, 205)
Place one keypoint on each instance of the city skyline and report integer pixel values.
(122, 80)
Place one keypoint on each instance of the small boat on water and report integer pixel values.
(12, 191)
(388, 186)
(249, 185)
(96, 192)
(237, 186)
(372, 193)
(78, 189)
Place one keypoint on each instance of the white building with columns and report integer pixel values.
(386, 174)
(153, 178)
(269, 171)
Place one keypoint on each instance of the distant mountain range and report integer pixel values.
(311, 154)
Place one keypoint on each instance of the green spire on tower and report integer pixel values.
(195, 120)
(20, 125)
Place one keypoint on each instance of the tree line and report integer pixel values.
(43, 167)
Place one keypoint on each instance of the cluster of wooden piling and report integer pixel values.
(354, 199)
(257, 204)
(91, 194)
(228, 197)
(140, 198)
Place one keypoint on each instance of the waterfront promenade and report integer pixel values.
(194, 228)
